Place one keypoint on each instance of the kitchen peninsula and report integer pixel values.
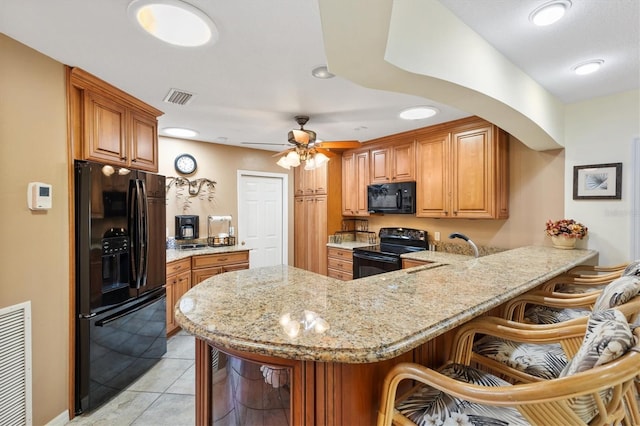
(317, 348)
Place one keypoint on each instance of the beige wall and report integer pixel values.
(35, 251)
(536, 194)
(219, 163)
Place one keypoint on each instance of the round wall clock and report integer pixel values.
(186, 164)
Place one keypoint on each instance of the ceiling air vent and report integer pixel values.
(178, 97)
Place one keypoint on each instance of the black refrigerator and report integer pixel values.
(120, 225)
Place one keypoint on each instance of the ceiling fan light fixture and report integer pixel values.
(588, 67)
(174, 22)
(418, 113)
(550, 12)
(322, 72)
(179, 132)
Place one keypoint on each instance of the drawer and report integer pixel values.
(178, 266)
(340, 253)
(209, 260)
(340, 264)
(341, 275)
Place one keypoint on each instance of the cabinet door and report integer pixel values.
(105, 130)
(472, 154)
(403, 162)
(319, 247)
(349, 184)
(299, 233)
(362, 181)
(311, 218)
(299, 175)
(143, 141)
(321, 179)
(380, 165)
(433, 186)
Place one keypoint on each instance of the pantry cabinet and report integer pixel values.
(463, 173)
(355, 178)
(316, 214)
(394, 162)
(110, 126)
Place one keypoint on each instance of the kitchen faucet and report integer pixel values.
(464, 237)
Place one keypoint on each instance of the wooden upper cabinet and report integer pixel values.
(355, 178)
(110, 126)
(393, 163)
(433, 176)
(311, 182)
(463, 173)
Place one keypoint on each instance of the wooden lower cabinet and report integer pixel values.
(340, 263)
(185, 273)
(208, 265)
(178, 283)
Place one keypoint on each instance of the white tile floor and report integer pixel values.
(163, 396)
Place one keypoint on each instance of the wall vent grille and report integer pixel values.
(178, 97)
(15, 365)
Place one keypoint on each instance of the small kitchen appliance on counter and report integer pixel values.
(385, 257)
(187, 227)
(220, 232)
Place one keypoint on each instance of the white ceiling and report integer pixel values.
(257, 77)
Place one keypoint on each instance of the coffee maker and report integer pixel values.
(187, 227)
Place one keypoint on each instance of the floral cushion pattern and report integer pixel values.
(608, 337)
(427, 406)
(541, 360)
(539, 314)
(632, 269)
(618, 292)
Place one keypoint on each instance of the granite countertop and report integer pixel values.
(436, 256)
(365, 320)
(349, 245)
(177, 254)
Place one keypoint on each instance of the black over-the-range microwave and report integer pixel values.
(392, 198)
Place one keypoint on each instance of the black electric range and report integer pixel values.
(385, 257)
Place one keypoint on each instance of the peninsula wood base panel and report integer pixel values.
(320, 393)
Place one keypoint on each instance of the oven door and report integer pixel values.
(368, 263)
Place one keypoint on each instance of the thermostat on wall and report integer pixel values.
(39, 196)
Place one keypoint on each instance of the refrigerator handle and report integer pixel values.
(133, 233)
(144, 233)
(126, 312)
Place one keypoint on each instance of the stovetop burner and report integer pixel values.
(396, 241)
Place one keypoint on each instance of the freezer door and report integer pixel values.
(115, 348)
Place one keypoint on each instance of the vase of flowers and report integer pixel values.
(565, 232)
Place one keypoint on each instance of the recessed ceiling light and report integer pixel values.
(322, 72)
(180, 132)
(418, 113)
(549, 12)
(174, 22)
(588, 67)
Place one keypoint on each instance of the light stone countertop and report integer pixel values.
(176, 254)
(369, 319)
(349, 245)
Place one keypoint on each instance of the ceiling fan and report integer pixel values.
(307, 148)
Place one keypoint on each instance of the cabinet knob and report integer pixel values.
(242, 243)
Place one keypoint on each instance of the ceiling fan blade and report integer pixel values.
(326, 152)
(299, 136)
(264, 143)
(340, 144)
(283, 152)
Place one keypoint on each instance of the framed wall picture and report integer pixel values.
(597, 181)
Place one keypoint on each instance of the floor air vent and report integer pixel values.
(178, 97)
(15, 365)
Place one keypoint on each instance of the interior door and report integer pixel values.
(262, 217)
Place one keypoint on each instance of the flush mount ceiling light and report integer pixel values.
(322, 72)
(179, 132)
(549, 12)
(588, 67)
(174, 22)
(418, 113)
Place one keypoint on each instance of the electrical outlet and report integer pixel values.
(436, 235)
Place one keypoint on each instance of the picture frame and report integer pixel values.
(597, 182)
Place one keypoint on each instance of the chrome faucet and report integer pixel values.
(464, 237)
